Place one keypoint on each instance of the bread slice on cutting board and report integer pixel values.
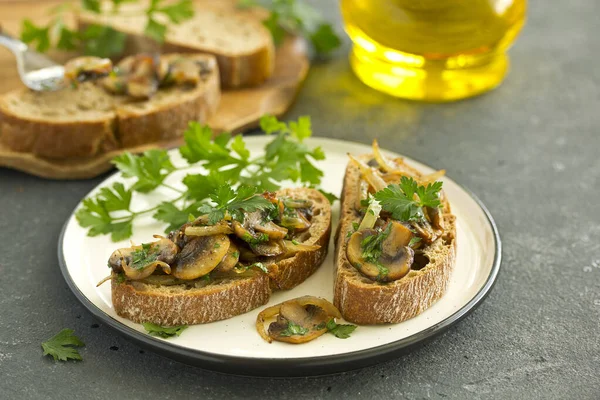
(88, 120)
(243, 47)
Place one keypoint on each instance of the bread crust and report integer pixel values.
(365, 302)
(140, 303)
(127, 125)
(160, 305)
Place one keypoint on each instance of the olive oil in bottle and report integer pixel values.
(432, 50)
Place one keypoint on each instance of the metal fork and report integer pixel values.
(36, 71)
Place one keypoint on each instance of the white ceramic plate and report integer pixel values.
(234, 345)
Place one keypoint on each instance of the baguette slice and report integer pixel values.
(237, 38)
(88, 120)
(230, 295)
(365, 302)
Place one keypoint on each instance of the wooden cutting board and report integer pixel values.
(238, 109)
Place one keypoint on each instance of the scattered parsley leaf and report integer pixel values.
(257, 265)
(293, 329)
(372, 247)
(164, 332)
(62, 346)
(272, 24)
(341, 331)
(117, 198)
(178, 12)
(399, 200)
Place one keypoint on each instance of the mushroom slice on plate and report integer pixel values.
(208, 230)
(81, 69)
(200, 256)
(297, 321)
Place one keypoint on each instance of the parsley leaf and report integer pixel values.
(150, 169)
(341, 331)
(174, 216)
(259, 265)
(293, 329)
(155, 30)
(95, 213)
(329, 196)
(91, 5)
(399, 200)
(296, 17)
(164, 332)
(62, 346)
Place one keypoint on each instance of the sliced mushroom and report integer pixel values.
(160, 253)
(400, 235)
(425, 231)
(221, 227)
(395, 260)
(200, 256)
(434, 214)
(297, 203)
(120, 257)
(183, 71)
(230, 260)
(165, 249)
(297, 321)
(255, 230)
(294, 220)
(82, 69)
(293, 247)
(271, 248)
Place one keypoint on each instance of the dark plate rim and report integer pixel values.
(309, 366)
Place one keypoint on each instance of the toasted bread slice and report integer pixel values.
(365, 302)
(236, 37)
(232, 294)
(88, 120)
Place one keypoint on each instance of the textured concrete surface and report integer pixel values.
(528, 149)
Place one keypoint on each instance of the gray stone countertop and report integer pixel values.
(529, 150)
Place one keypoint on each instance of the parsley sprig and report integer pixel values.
(234, 203)
(293, 329)
(400, 201)
(340, 331)
(95, 39)
(62, 346)
(227, 165)
(297, 17)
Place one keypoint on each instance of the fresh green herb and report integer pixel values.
(164, 332)
(234, 203)
(206, 277)
(372, 248)
(242, 268)
(101, 40)
(228, 167)
(121, 278)
(399, 199)
(297, 17)
(62, 346)
(293, 329)
(341, 331)
(235, 254)
(295, 242)
(142, 257)
(414, 240)
(217, 245)
(355, 226)
(329, 196)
